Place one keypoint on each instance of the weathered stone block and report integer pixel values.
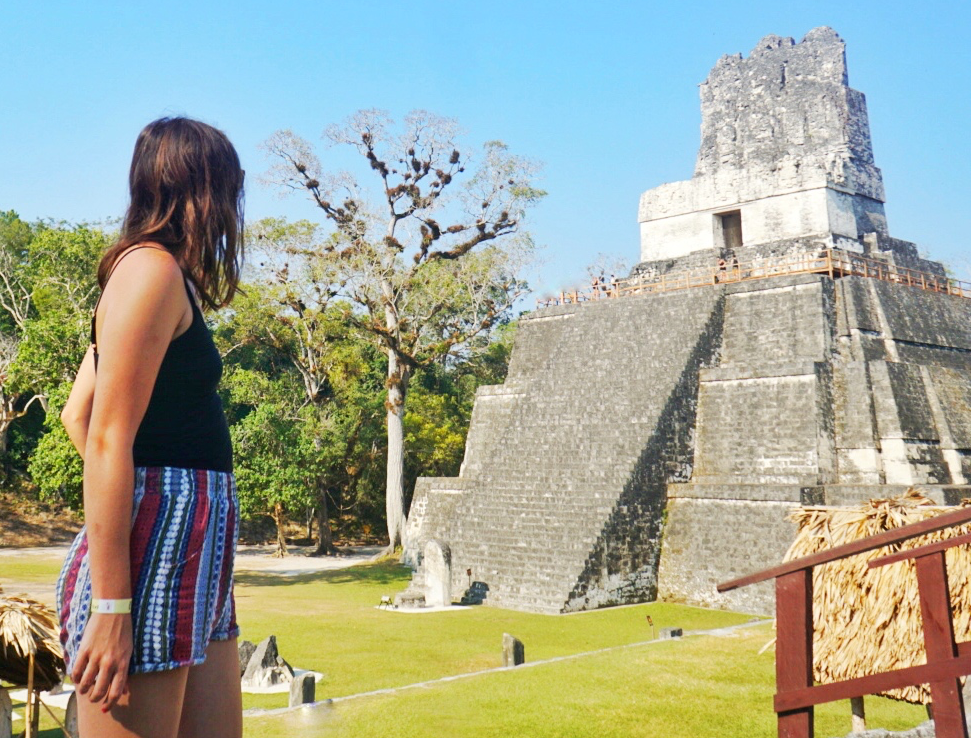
(709, 541)
(266, 667)
(411, 598)
(953, 387)
(246, 651)
(438, 574)
(785, 143)
(303, 690)
(513, 651)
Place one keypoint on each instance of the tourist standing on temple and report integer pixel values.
(145, 596)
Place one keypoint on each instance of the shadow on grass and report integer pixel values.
(380, 573)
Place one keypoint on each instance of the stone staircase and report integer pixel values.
(540, 511)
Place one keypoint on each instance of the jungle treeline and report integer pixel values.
(304, 387)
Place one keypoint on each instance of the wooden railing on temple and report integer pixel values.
(796, 694)
(833, 262)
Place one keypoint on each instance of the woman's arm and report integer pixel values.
(140, 311)
(76, 414)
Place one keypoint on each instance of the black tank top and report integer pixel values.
(184, 425)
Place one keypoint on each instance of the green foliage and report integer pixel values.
(22, 439)
(15, 234)
(56, 466)
(295, 365)
(59, 273)
(440, 403)
(275, 459)
(435, 431)
(304, 384)
(47, 291)
(15, 237)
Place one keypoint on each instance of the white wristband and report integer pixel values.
(111, 607)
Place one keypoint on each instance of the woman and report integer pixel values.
(145, 595)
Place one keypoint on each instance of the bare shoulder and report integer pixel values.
(147, 260)
(146, 275)
(144, 266)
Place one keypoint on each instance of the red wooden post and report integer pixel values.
(935, 610)
(794, 647)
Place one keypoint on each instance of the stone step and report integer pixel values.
(592, 495)
(550, 510)
(488, 516)
(548, 551)
(514, 555)
(550, 454)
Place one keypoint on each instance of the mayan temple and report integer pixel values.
(775, 346)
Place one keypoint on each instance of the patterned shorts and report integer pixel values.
(183, 542)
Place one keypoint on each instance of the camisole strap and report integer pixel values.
(94, 314)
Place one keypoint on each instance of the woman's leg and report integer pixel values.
(213, 706)
(151, 709)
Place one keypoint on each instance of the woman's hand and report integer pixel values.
(100, 671)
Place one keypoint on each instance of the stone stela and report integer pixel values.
(666, 459)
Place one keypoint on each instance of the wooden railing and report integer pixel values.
(946, 660)
(833, 262)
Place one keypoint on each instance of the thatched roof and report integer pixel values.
(868, 620)
(28, 626)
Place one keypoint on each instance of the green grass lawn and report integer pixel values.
(32, 568)
(699, 686)
(328, 622)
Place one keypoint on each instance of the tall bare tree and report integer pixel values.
(433, 257)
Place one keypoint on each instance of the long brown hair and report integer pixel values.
(186, 188)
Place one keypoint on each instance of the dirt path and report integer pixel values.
(24, 522)
(248, 558)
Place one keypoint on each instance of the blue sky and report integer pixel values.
(604, 94)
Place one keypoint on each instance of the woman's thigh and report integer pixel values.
(151, 709)
(213, 705)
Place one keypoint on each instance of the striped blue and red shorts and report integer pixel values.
(183, 542)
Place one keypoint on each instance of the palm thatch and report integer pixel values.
(868, 621)
(29, 627)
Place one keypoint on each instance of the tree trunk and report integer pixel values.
(7, 416)
(395, 496)
(397, 389)
(325, 542)
(859, 715)
(280, 520)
